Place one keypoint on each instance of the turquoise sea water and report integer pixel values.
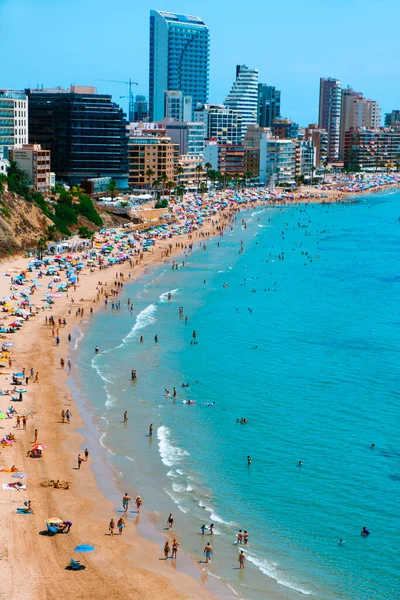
(313, 366)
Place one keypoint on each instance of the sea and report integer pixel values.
(291, 321)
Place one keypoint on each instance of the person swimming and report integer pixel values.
(96, 349)
(364, 531)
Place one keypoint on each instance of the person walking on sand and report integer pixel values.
(24, 422)
(63, 416)
(125, 502)
(175, 545)
(241, 559)
(79, 461)
(36, 436)
(167, 549)
(170, 521)
(69, 365)
(18, 422)
(62, 363)
(120, 525)
(68, 415)
(208, 552)
(139, 503)
(111, 527)
(36, 380)
(86, 454)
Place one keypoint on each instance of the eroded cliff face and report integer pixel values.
(22, 223)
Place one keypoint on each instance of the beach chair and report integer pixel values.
(75, 564)
(51, 530)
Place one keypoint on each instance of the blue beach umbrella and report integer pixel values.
(19, 475)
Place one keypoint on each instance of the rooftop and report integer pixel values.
(178, 18)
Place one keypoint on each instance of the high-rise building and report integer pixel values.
(13, 120)
(269, 105)
(392, 119)
(35, 163)
(140, 110)
(188, 136)
(372, 149)
(221, 122)
(285, 129)
(277, 160)
(177, 106)
(330, 101)
(356, 111)
(319, 139)
(179, 59)
(243, 96)
(251, 146)
(86, 133)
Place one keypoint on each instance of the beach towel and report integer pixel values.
(6, 487)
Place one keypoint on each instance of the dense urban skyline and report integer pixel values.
(92, 53)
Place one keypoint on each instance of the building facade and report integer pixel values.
(177, 106)
(357, 111)
(140, 109)
(392, 119)
(86, 133)
(285, 129)
(372, 149)
(35, 163)
(179, 59)
(191, 175)
(269, 105)
(151, 152)
(319, 138)
(231, 159)
(277, 160)
(188, 136)
(243, 97)
(251, 146)
(13, 120)
(221, 123)
(330, 102)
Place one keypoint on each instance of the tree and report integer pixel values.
(164, 179)
(52, 232)
(246, 176)
(112, 188)
(203, 187)
(41, 247)
(170, 186)
(85, 233)
(180, 190)
(208, 168)
(17, 179)
(212, 176)
(149, 175)
(179, 171)
(156, 184)
(199, 169)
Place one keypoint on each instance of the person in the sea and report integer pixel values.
(133, 374)
(156, 339)
(125, 416)
(125, 501)
(174, 392)
(239, 536)
(211, 528)
(300, 464)
(203, 528)
(167, 549)
(249, 460)
(341, 542)
(170, 521)
(241, 559)
(246, 537)
(96, 349)
(139, 503)
(150, 429)
(175, 545)
(141, 339)
(365, 531)
(208, 552)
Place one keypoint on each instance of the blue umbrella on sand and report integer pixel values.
(84, 548)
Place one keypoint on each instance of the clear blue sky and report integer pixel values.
(292, 43)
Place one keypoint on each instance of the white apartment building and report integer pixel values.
(13, 120)
(221, 123)
(243, 96)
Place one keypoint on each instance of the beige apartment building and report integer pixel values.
(35, 162)
(151, 152)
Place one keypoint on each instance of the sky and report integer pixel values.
(293, 44)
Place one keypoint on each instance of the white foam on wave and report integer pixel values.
(172, 473)
(170, 454)
(144, 318)
(164, 296)
(177, 487)
(103, 436)
(130, 458)
(78, 339)
(99, 372)
(213, 515)
(270, 569)
(176, 501)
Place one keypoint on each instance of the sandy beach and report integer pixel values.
(33, 565)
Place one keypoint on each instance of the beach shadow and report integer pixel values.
(81, 568)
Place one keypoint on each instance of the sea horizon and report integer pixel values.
(285, 339)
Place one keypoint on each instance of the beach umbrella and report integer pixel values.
(8, 344)
(84, 548)
(38, 447)
(19, 475)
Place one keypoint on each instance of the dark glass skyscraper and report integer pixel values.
(86, 133)
(269, 105)
(179, 59)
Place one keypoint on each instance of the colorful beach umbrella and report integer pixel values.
(84, 548)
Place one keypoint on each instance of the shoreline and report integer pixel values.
(39, 557)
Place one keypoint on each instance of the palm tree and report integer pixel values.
(149, 174)
(156, 184)
(203, 187)
(180, 189)
(112, 188)
(164, 178)
(170, 185)
(179, 171)
(208, 168)
(246, 176)
(212, 175)
(325, 169)
(199, 169)
(41, 247)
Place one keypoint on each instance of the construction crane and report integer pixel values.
(129, 83)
